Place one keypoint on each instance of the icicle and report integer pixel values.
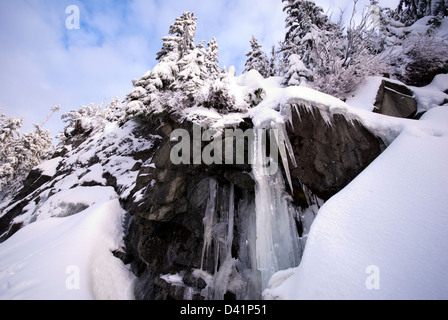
(311, 198)
(247, 256)
(328, 118)
(209, 220)
(224, 277)
(231, 219)
(282, 140)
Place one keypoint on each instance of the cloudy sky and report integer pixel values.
(43, 63)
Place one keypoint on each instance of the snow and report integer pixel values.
(432, 95)
(364, 96)
(66, 202)
(391, 220)
(427, 97)
(67, 258)
(422, 26)
(212, 119)
(48, 168)
(174, 279)
(280, 102)
(94, 174)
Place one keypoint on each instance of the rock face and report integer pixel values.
(329, 157)
(34, 180)
(396, 100)
(166, 232)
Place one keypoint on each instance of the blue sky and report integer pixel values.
(42, 63)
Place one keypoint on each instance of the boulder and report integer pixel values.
(396, 100)
(329, 157)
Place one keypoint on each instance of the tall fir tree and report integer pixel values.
(389, 31)
(212, 58)
(257, 59)
(156, 89)
(181, 39)
(273, 68)
(304, 18)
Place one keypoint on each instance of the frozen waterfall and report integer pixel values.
(277, 244)
(250, 237)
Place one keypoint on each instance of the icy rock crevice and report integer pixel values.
(233, 273)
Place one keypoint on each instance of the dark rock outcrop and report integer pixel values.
(329, 157)
(166, 232)
(396, 100)
(33, 181)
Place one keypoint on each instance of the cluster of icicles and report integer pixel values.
(267, 232)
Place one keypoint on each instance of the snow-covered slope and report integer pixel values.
(73, 223)
(67, 258)
(384, 236)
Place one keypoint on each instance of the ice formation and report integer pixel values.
(275, 226)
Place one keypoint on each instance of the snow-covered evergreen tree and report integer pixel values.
(9, 131)
(304, 19)
(190, 80)
(220, 95)
(31, 150)
(185, 28)
(305, 23)
(414, 56)
(257, 59)
(180, 77)
(389, 31)
(273, 68)
(212, 58)
(297, 73)
(410, 11)
(329, 57)
(20, 153)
